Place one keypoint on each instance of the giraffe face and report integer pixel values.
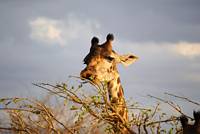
(100, 68)
(104, 67)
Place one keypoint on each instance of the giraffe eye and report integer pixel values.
(109, 58)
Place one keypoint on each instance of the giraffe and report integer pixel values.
(191, 128)
(102, 66)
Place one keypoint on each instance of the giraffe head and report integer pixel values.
(102, 65)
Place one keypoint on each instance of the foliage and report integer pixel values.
(77, 110)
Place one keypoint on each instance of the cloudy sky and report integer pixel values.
(45, 41)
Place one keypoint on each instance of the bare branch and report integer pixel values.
(183, 98)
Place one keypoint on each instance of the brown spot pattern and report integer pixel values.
(120, 92)
(121, 112)
(118, 80)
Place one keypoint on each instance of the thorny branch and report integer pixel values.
(170, 103)
(183, 98)
(96, 108)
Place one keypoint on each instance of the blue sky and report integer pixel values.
(45, 41)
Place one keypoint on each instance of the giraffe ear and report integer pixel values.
(128, 59)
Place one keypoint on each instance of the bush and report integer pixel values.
(76, 110)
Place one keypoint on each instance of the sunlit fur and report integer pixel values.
(102, 66)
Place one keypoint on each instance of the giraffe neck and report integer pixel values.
(116, 96)
(115, 90)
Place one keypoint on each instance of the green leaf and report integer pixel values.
(65, 102)
(73, 108)
(15, 100)
(36, 112)
(64, 86)
(29, 106)
(2, 100)
(170, 131)
(80, 86)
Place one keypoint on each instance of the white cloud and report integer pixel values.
(184, 49)
(53, 31)
(46, 30)
(188, 49)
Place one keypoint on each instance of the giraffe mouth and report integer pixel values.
(87, 74)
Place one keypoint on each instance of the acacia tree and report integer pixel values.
(79, 110)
